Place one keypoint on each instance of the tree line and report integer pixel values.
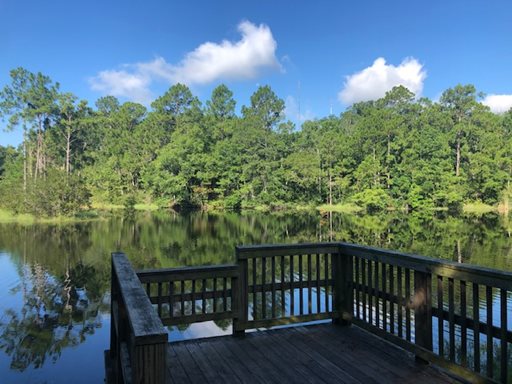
(398, 151)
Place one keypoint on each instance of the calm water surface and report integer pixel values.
(54, 285)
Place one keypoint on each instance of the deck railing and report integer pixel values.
(285, 284)
(192, 294)
(454, 315)
(138, 340)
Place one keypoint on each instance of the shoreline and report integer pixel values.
(102, 211)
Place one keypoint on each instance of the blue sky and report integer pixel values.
(318, 56)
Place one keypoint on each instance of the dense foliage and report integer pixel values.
(397, 151)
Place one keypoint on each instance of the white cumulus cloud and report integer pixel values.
(243, 59)
(373, 82)
(498, 103)
(239, 60)
(120, 83)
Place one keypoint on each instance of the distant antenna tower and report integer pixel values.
(330, 109)
(298, 102)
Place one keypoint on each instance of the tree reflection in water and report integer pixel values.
(56, 313)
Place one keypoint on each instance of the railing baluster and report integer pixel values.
(463, 326)
(301, 287)
(326, 275)
(358, 289)
(503, 336)
(171, 299)
(423, 309)
(203, 297)
(159, 300)
(263, 289)
(476, 328)
(488, 303)
(193, 295)
(377, 296)
(273, 273)
(400, 301)
(440, 317)
(283, 293)
(254, 297)
(214, 295)
(182, 298)
(318, 283)
(451, 319)
(391, 301)
(370, 293)
(240, 296)
(408, 304)
(384, 301)
(365, 287)
(310, 291)
(225, 295)
(292, 290)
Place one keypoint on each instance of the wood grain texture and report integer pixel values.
(319, 353)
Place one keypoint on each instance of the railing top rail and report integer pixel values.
(187, 273)
(145, 324)
(472, 273)
(267, 250)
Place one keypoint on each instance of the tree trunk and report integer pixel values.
(319, 174)
(39, 145)
(24, 164)
(457, 162)
(375, 174)
(388, 173)
(330, 187)
(68, 151)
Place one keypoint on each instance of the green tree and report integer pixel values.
(266, 108)
(460, 103)
(221, 104)
(30, 101)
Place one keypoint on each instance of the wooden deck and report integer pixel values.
(455, 316)
(321, 353)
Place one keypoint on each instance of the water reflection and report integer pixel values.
(56, 313)
(55, 278)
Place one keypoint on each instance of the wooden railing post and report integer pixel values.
(148, 362)
(422, 303)
(139, 340)
(240, 296)
(112, 363)
(343, 299)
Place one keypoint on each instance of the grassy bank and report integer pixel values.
(28, 219)
(114, 207)
(340, 208)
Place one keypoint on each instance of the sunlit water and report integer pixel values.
(54, 284)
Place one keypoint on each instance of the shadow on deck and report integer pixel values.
(320, 353)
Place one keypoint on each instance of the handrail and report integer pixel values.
(138, 343)
(186, 273)
(267, 250)
(482, 275)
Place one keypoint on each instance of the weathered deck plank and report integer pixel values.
(321, 353)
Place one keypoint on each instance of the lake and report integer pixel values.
(54, 289)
